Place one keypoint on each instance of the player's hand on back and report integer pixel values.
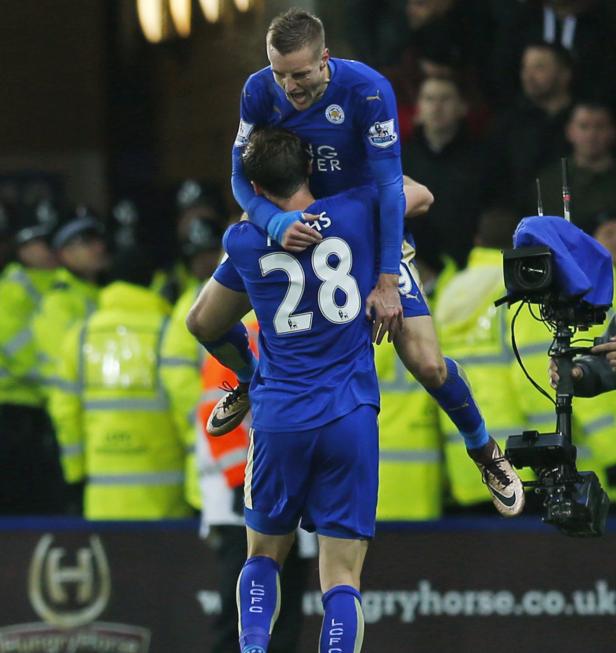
(384, 309)
(299, 236)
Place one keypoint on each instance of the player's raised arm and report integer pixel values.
(280, 225)
(378, 117)
(383, 304)
(417, 201)
(379, 124)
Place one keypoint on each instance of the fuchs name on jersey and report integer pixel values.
(321, 223)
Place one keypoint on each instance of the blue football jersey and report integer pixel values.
(355, 121)
(315, 351)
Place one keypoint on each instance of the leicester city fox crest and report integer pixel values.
(334, 114)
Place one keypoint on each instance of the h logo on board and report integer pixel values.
(69, 587)
(69, 593)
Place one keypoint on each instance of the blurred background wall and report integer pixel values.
(85, 95)
(54, 71)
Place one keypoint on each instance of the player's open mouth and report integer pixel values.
(298, 98)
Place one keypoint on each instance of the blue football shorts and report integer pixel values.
(411, 295)
(325, 479)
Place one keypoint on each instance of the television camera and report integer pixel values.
(542, 270)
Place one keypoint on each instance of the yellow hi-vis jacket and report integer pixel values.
(597, 416)
(180, 372)
(185, 369)
(474, 333)
(410, 459)
(69, 301)
(112, 416)
(21, 291)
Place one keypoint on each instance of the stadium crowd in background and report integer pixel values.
(475, 136)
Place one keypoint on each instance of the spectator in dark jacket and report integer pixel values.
(592, 170)
(585, 28)
(531, 133)
(443, 156)
(445, 38)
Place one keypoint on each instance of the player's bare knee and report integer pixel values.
(425, 363)
(197, 323)
(432, 372)
(340, 561)
(276, 547)
(193, 323)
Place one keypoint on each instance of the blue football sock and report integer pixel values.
(258, 602)
(456, 399)
(343, 620)
(233, 351)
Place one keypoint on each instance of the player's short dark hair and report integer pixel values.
(295, 29)
(276, 160)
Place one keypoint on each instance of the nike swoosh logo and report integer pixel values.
(221, 422)
(508, 501)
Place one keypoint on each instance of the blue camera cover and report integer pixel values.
(583, 267)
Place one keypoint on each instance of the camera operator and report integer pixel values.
(595, 373)
(608, 349)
